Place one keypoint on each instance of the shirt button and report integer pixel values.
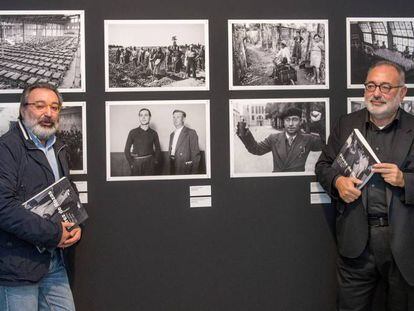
(373, 185)
(377, 148)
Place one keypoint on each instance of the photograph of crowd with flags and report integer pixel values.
(156, 55)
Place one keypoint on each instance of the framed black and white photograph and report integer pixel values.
(156, 55)
(278, 54)
(277, 137)
(358, 103)
(371, 39)
(72, 131)
(156, 140)
(42, 46)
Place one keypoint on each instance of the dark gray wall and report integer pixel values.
(262, 246)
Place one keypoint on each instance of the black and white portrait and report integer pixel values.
(278, 54)
(42, 46)
(154, 140)
(373, 39)
(156, 55)
(72, 131)
(277, 137)
(357, 103)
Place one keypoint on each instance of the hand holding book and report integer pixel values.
(348, 188)
(391, 173)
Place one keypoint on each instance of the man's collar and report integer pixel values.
(287, 135)
(395, 120)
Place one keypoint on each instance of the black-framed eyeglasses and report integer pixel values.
(41, 106)
(384, 88)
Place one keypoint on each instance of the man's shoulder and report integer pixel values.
(309, 136)
(11, 143)
(189, 130)
(358, 116)
(276, 136)
(152, 131)
(407, 119)
(11, 137)
(134, 130)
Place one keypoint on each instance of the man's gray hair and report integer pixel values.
(397, 67)
(26, 92)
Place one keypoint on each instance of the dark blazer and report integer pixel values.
(187, 152)
(351, 220)
(284, 161)
(25, 171)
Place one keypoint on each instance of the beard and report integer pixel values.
(41, 132)
(382, 108)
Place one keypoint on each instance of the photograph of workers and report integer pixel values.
(278, 54)
(156, 55)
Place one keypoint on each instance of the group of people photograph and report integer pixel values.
(278, 54)
(176, 58)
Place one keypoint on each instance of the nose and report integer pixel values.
(377, 92)
(48, 111)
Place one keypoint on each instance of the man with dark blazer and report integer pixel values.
(290, 148)
(183, 147)
(31, 159)
(375, 225)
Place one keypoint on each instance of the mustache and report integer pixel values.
(47, 119)
(377, 99)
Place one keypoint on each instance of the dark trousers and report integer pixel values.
(191, 67)
(358, 277)
(143, 166)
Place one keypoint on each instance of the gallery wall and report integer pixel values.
(262, 245)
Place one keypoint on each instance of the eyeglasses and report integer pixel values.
(42, 106)
(384, 88)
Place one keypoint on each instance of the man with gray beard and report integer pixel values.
(31, 160)
(375, 225)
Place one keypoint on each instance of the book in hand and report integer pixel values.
(59, 203)
(356, 158)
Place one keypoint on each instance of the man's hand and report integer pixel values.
(346, 188)
(391, 173)
(69, 237)
(75, 237)
(241, 129)
(65, 233)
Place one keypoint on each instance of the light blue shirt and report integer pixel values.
(48, 151)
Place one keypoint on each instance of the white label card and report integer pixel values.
(83, 196)
(197, 191)
(316, 187)
(320, 198)
(200, 202)
(82, 186)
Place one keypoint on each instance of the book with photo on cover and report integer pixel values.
(59, 203)
(356, 158)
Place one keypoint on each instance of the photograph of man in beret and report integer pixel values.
(290, 148)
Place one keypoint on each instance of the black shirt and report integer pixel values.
(143, 143)
(380, 141)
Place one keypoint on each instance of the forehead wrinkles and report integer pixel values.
(384, 74)
(43, 95)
